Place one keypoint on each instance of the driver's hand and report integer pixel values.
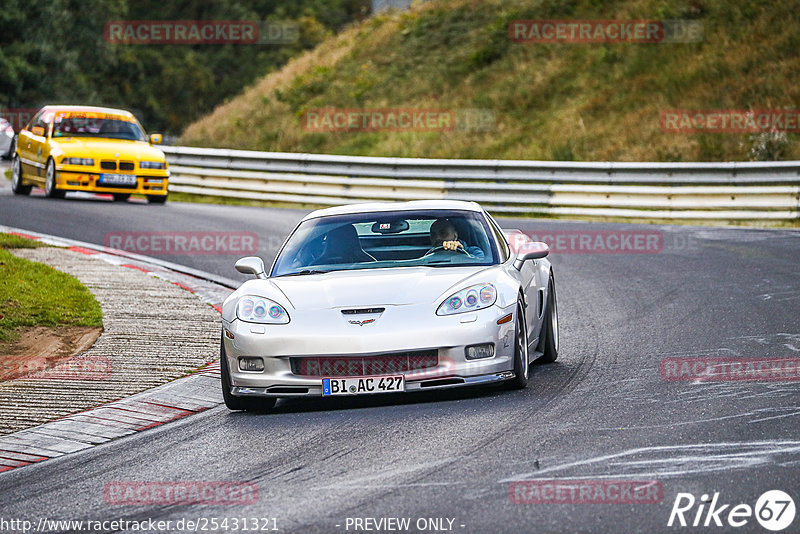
(451, 245)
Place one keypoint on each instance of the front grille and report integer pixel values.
(381, 364)
(126, 165)
(108, 165)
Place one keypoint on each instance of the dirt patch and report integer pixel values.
(41, 350)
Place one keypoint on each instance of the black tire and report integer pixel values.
(50, 189)
(549, 343)
(156, 199)
(121, 197)
(522, 366)
(250, 404)
(16, 178)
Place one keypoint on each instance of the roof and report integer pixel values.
(93, 109)
(369, 207)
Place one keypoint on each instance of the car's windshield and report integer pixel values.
(433, 238)
(76, 124)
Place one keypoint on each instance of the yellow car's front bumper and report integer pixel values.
(154, 183)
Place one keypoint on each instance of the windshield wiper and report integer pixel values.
(304, 271)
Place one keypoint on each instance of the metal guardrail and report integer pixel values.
(724, 191)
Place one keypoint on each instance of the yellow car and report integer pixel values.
(81, 148)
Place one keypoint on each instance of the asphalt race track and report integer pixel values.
(602, 412)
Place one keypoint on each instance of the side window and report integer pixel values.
(33, 121)
(42, 120)
(501, 239)
(46, 119)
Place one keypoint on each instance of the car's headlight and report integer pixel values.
(152, 165)
(77, 161)
(253, 309)
(470, 299)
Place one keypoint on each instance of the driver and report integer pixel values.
(443, 234)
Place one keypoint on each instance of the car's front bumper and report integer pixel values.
(326, 335)
(150, 184)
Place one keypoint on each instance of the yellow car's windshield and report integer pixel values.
(96, 125)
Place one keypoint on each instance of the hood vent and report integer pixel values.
(360, 311)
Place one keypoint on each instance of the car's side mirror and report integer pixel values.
(37, 130)
(251, 265)
(533, 250)
(155, 139)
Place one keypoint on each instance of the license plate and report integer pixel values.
(363, 385)
(118, 179)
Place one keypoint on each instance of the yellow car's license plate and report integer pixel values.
(363, 385)
(117, 179)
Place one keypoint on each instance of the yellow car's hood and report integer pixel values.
(107, 148)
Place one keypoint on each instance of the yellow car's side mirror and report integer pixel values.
(155, 139)
(37, 130)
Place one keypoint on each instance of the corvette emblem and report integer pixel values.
(362, 323)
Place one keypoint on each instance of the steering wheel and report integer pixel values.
(440, 248)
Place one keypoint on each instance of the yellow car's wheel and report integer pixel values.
(156, 199)
(50, 189)
(16, 178)
(121, 197)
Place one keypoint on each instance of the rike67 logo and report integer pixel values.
(774, 510)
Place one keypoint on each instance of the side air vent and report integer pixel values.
(441, 382)
(288, 390)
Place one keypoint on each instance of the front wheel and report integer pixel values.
(521, 363)
(50, 189)
(16, 178)
(549, 344)
(250, 404)
(121, 197)
(156, 199)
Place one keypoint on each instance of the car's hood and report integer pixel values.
(367, 287)
(108, 148)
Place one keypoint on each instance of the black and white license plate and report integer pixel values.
(126, 180)
(363, 385)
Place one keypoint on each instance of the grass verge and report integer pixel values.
(34, 294)
(544, 101)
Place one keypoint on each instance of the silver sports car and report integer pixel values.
(385, 298)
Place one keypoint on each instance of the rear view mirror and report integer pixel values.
(533, 250)
(155, 139)
(251, 265)
(37, 130)
(390, 227)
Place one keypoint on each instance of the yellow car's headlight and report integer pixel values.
(77, 161)
(152, 165)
